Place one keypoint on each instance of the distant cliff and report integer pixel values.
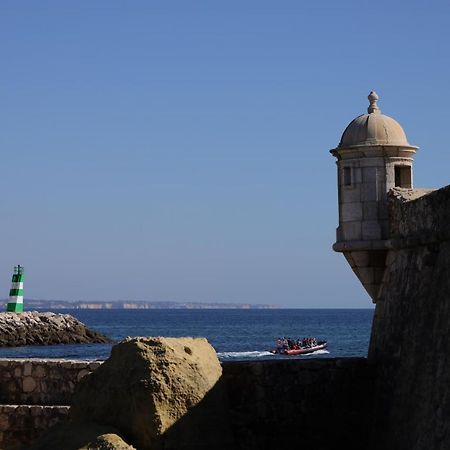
(126, 304)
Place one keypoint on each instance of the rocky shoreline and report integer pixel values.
(45, 328)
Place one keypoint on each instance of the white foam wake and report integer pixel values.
(257, 354)
(317, 352)
(254, 354)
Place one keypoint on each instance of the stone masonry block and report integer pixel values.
(368, 192)
(357, 175)
(371, 230)
(29, 384)
(39, 371)
(361, 259)
(355, 170)
(27, 369)
(351, 231)
(372, 162)
(351, 212)
(370, 210)
(369, 174)
(350, 194)
(365, 275)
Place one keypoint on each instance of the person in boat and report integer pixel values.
(308, 342)
(282, 344)
(279, 344)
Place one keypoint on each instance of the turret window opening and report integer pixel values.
(403, 177)
(347, 176)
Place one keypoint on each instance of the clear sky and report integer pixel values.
(179, 150)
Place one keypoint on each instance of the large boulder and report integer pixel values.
(159, 393)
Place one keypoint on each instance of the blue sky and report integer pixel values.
(178, 150)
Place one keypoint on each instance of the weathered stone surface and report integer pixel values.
(29, 384)
(21, 425)
(293, 397)
(44, 328)
(109, 441)
(159, 392)
(43, 382)
(81, 436)
(410, 331)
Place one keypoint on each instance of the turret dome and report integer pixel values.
(373, 128)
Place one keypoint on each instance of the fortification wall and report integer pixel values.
(319, 403)
(20, 425)
(272, 404)
(409, 341)
(41, 382)
(35, 395)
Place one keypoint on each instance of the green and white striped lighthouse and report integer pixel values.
(15, 303)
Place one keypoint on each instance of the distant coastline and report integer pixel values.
(31, 304)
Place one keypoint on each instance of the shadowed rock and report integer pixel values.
(81, 436)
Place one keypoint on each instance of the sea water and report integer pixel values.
(236, 334)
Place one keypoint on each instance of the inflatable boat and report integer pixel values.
(300, 350)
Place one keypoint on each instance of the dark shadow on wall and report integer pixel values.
(281, 405)
(206, 426)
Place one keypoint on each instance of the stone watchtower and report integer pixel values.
(373, 157)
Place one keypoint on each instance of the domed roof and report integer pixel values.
(373, 128)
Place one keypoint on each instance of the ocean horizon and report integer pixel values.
(235, 334)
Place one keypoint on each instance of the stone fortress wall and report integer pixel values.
(34, 395)
(41, 382)
(410, 334)
(272, 404)
(405, 268)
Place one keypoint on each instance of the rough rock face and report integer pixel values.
(81, 436)
(160, 393)
(44, 328)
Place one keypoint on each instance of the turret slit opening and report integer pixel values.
(403, 177)
(347, 176)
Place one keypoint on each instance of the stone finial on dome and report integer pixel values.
(373, 107)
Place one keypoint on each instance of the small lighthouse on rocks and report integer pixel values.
(15, 303)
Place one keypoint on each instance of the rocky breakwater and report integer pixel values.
(45, 328)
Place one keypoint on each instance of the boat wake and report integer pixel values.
(243, 355)
(317, 352)
(255, 354)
